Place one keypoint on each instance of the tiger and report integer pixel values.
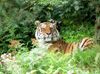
(47, 33)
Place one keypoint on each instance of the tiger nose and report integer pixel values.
(48, 33)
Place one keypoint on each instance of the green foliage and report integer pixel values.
(28, 62)
(17, 22)
(72, 32)
(17, 17)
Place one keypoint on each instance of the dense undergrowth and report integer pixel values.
(28, 62)
(37, 61)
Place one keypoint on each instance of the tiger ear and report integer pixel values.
(53, 21)
(37, 23)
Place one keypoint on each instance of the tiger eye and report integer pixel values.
(43, 29)
(51, 28)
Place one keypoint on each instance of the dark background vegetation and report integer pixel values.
(17, 17)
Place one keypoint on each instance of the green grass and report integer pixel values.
(72, 32)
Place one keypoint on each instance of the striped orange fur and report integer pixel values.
(62, 46)
(46, 32)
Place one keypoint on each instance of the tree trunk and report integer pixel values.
(97, 25)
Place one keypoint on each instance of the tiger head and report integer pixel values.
(46, 31)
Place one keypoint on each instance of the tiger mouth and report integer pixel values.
(50, 39)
